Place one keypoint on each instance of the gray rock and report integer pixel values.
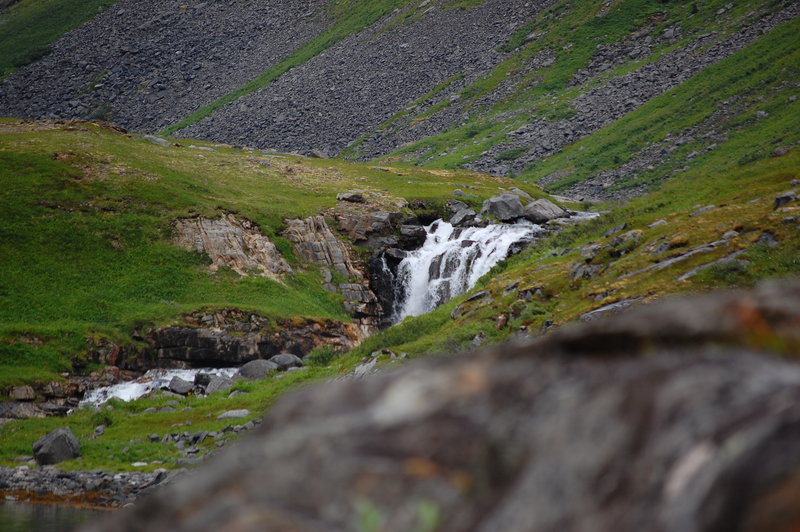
(703, 210)
(783, 199)
(505, 207)
(285, 361)
(22, 393)
(180, 386)
(458, 192)
(57, 446)
(463, 217)
(234, 414)
(658, 223)
(257, 369)
(543, 210)
(156, 140)
(219, 383)
(352, 197)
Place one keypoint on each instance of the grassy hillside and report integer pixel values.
(85, 228)
(29, 27)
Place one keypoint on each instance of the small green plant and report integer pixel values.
(322, 356)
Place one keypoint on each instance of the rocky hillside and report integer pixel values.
(499, 84)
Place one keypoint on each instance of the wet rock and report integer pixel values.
(57, 446)
(231, 242)
(257, 369)
(783, 199)
(542, 211)
(180, 386)
(478, 296)
(22, 393)
(285, 361)
(505, 207)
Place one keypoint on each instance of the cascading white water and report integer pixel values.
(451, 261)
(154, 379)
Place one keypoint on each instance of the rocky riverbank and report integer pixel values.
(86, 488)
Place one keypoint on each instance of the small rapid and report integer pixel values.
(451, 261)
(154, 379)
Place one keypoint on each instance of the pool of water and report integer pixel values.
(21, 517)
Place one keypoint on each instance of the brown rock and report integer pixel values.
(22, 393)
(232, 243)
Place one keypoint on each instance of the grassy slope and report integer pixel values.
(28, 28)
(85, 246)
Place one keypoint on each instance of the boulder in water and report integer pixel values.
(180, 386)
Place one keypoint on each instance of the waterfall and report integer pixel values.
(451, 261)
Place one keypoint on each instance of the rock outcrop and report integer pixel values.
(56, 446)
(232, 337)
(314, 242)
(233, 243)
(573, 432)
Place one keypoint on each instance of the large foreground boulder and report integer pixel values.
(57, 446)
(574, 432)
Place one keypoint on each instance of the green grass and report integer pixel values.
(85, 235)
(350, 16)
(29, 27)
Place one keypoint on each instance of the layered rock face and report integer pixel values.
(572, 432)
(233, 243)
